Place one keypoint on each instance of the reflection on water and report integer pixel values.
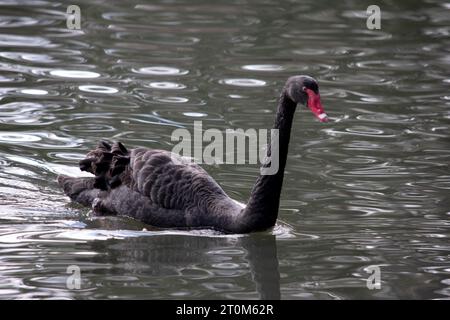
(369, 188)
(133, 262)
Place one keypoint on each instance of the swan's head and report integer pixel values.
(305, 90)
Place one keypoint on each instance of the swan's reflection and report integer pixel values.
(190, 263)
(263, 261)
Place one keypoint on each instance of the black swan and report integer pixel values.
(150, 186)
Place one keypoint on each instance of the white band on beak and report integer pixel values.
(322, 116)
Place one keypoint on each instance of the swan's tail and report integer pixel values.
(107, 163)
(80, 190)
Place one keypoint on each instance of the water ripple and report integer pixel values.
(161, 70)
(263, 67)
(167, 85)
(76, 74)
(10, 40)
(243, 82)
(98, 89)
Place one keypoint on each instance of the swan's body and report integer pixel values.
(165, 190)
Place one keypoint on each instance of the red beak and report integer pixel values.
(315, 105)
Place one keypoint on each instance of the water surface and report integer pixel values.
(371, 187)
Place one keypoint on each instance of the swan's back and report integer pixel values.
(170, 181)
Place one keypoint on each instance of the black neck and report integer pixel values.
(262, 208)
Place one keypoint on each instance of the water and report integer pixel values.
(371, 187)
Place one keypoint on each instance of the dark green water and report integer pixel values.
(371, 187)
